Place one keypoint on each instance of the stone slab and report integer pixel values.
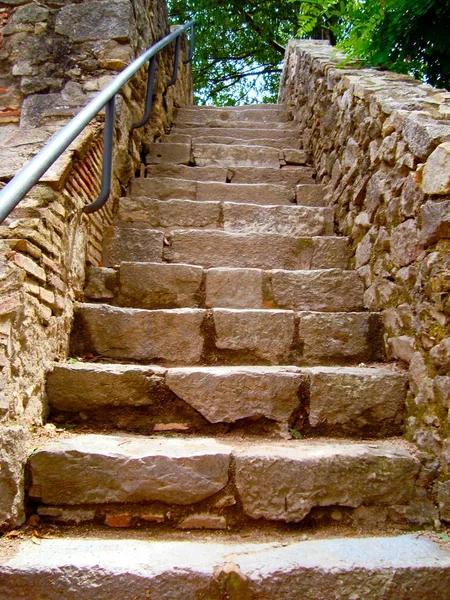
(266, 334)
(296, 221)
(168, 214)
(225, 155)
(243, 133)
(330, 253)
(290, 176)
(373, 568)
(91, 386)
(234, 288)
(246, 192)
(330, 290)
(256, 250)
(154, 286)
(205, 115)
(284, 481)
(177, 154)
(227, 394)
(164, 188)
(350, 337)
(310, 194)
(132, 245)
(212, 173)
(290, 143)
(169, 336)
(358, 400)
(125, 468)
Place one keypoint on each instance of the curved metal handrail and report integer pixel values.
(30, 174)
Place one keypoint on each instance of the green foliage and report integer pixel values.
(406, 36)
(239, 47)
(240, 43)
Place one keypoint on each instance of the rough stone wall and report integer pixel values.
(59, 54)
(381, 144)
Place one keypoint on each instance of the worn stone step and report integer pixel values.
(209, 248)
(272, 480)
(242, 133)
(230, 336)
(167, 188)
(354, 401)
(379, 568)
(184, 138)
(260, 250)
(213, 123)
(288, 176)
(293, 220)
(224, 155)
(159, 285)
(237, 115)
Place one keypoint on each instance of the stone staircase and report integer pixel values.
(236, 424)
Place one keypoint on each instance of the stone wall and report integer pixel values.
(59, 54)
(381, 145)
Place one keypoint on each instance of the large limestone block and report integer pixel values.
(95, 21)
(176, 154)
(371, 568)
(330, 290)
(375, 568)
(244, 133)
(436, 173)
(13, 455)
(153, 285)
(226, 394)
(283, 482)
(339, 336)
(230, 140)
(170, 336)
(245, 192)
(296, 221)
(132, 245)
(234, 288)
(164, 188)
(290, 176)
(90, 386)
(310, 194)
(188, 173)
(357, 399)
(224, 155)
(330, 253)
(97, 469)
(253, 250)
(169, 214)
(237, 115)
(268, 334)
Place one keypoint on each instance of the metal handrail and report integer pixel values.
(30, 174)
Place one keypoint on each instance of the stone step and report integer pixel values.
(209, 248)
(182, 337)
(167, 188)
(237, 115)
(287, 176)
(159, 285)
(271, 480)
(258, 250)
(243, 133)
(296, 221)
(242, 153)
(351, 401)
(379, 568)
(211, 138)
(286, 127)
